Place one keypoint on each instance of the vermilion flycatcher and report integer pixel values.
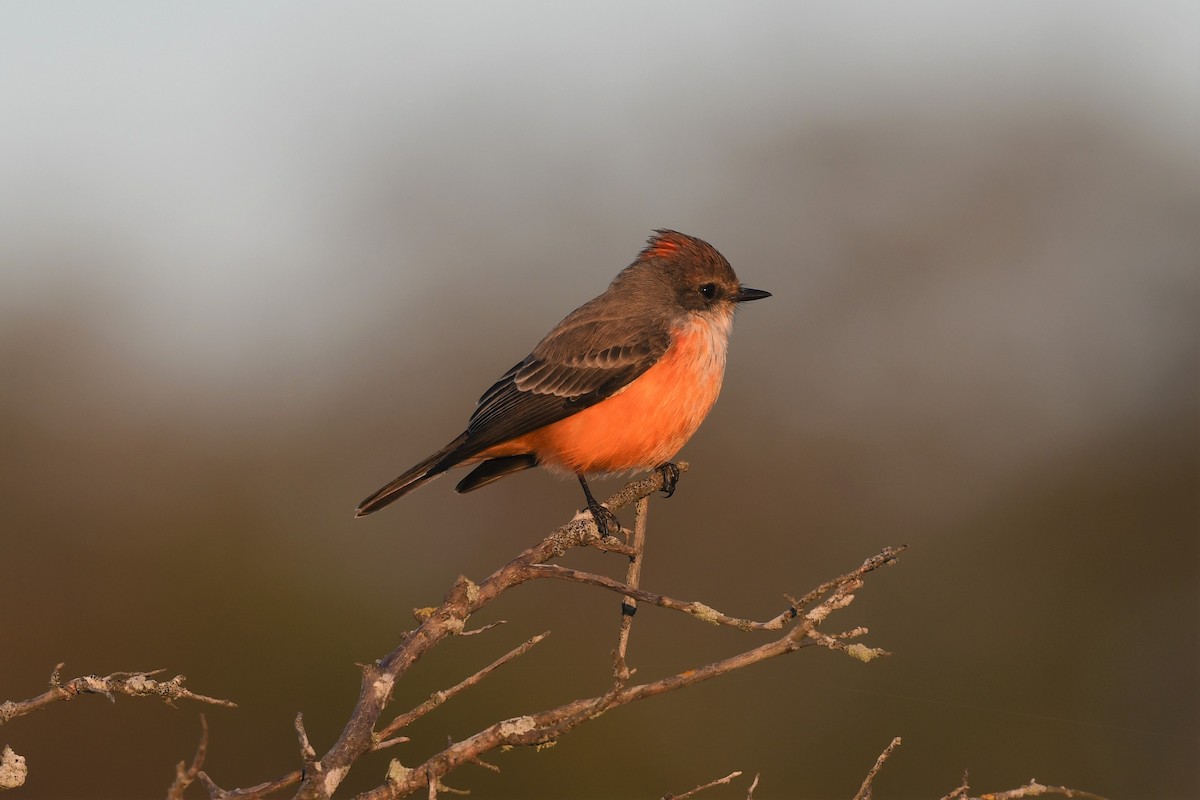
(620, 384)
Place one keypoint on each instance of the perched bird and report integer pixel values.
(620, 384)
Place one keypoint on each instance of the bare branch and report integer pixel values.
(718, 782)
(259, 790)
(464, 599)
(633, 576)
(322, 776)
(611, 544)
(796, 626)
(185, 775)
(961, 791)
(698, 610)
(1035, 789)
(130, 684)
(307, 753)
(481, 629)
(436, 699)
(546, 726)
(864, 791)
(642, 487)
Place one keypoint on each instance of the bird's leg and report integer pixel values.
(606, 521)
(670, 476)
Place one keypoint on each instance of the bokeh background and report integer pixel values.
(259, 258)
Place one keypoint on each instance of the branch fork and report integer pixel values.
(797, 625)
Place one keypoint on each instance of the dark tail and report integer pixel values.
(494, 469)
(419, 475)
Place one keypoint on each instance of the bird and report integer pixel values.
(619, 385)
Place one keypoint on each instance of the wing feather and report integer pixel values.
(587, 358)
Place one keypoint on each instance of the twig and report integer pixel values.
(1031, 789)
(321, 778)
(482, 628)
(633, 576)
(718, 782)
(611, 544)
(437, 698)
(753, 786)
(961, 791)
(130, 684)
(642, 487)
(864, 791)
(546, 726)
(185, 775)
(464, 599)
(1035, 789)
(259, 790)
(698, 610)
(308, 755)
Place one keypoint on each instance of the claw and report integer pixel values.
(670, 476)
(606, 521)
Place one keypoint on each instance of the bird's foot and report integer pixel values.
(606, 521)
(670, 476)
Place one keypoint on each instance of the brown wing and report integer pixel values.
(584, 360)
(589, 356)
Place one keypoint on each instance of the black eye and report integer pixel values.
(708, 291)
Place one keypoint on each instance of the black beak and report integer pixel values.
(745, 295)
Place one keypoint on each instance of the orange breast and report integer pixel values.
(648, 421)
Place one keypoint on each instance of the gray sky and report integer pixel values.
(200, 151)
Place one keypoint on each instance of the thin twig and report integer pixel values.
(885, 556)
(321, 779)
(483, 628)
(698, 610)
(1035, 789)
(960, 791)
(633, 576)
(130, 684)
(546, 726)
(864, 791)
(258, 790)
(611, 544)
(642, 487)
(449, 619)
(308, 754)
(437, 698)
(186, 775)
(718, 782)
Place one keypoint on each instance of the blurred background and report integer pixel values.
(257, 259)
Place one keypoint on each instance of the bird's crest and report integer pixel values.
(665, 244)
